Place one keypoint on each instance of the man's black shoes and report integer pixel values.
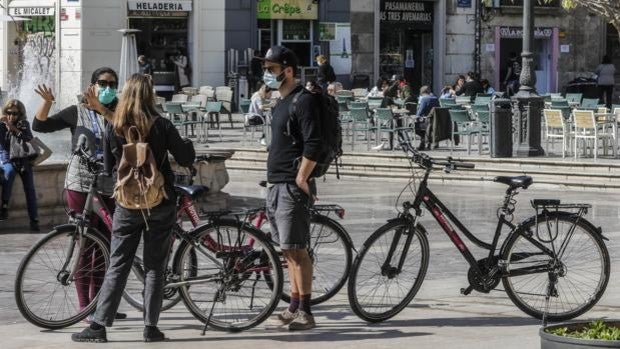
(153, 334)
(90, 335)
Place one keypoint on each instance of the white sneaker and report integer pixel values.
(379, 147)
(285, 317)
(263, 142)
(302, 322)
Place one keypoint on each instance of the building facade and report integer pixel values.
(78, 36)
(426, 41)
(432, 42)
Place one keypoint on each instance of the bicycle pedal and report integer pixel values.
(467, 291)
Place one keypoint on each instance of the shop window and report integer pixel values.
(297, 35)
(295, 30)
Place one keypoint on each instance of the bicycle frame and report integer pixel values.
(439, 211)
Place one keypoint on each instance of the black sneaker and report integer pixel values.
(120, 316)
(90, 335)
(153, 334)
(4, 213)
(34, 225)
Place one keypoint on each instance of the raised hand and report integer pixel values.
(91, 100)
(45, 93)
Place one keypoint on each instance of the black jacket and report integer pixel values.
(163, 138)
(470, 88)
(325, 74)
(304, 140)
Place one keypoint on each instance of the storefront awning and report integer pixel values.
(32, 8)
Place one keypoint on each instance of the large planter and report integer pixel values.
(552, 341)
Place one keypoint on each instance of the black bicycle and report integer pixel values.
(553, 266)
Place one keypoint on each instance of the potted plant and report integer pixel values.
(581, 335)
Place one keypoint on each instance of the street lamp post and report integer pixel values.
(528, 104)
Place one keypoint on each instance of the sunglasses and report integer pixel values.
(12, 113)
(270, 69)
(107, 83)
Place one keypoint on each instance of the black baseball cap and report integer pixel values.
(281, 55)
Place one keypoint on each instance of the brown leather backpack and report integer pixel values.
(140, 185)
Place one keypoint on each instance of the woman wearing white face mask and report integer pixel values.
(87, 118)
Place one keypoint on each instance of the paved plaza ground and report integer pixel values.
(439, 317)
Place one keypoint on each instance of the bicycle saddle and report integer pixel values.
(192, 191)
(515, 182)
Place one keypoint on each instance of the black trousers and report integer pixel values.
(606, 93)
(128, 227)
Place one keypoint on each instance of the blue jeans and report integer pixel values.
(10, 171)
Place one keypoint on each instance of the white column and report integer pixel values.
(209, 63)
(3, 51)
(101, 41)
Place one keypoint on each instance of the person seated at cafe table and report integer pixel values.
(381, 85)
(334, 87)
(471, 87)
(426, 102)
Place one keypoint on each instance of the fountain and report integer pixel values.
(38, 66)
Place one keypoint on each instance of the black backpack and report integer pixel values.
(331, 131)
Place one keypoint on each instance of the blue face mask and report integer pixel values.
(107, 95)
(272, 81)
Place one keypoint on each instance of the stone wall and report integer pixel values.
(49, 181)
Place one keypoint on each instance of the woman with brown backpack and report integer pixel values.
(139, 141)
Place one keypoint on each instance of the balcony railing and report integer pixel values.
(537, 3)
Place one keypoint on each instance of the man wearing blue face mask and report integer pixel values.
(87, 118)
(295, 148)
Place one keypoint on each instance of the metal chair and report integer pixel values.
(360, 122)
(555, 128)
(574, 98)
(586, 129)
(589, 103)
(447, 102)
(199, 99)
(463, 100)
(176, 114)
(212, 110)
(386, 122)
(461, 126)
(225, 96)
(360, 92)
(180, 98)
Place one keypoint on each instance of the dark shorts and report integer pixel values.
(289, 215)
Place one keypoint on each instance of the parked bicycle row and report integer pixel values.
(157, 248)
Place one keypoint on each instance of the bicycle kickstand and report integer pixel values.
(553, 279)
(215, 298)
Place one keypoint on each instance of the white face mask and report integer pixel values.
(272, 81)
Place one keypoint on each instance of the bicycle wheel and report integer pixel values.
(331, 252)
(377, 289)
(44, 293)
(134, 290)
(230, 291)
(578, 259)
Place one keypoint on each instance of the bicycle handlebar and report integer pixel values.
(427, 162)
(81, 151)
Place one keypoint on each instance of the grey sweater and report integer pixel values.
(80, 121)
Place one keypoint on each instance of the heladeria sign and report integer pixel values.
(418, 13)
(160, 5)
